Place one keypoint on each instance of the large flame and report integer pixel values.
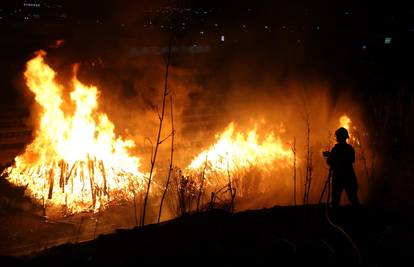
(236, 152)
(76, 160)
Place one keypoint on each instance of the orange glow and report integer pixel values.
(75, 160)
(235, 152)
(346, 122)
(58, 43)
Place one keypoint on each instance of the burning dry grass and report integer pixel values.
(79, 162)
(237, 163)
(75, 160)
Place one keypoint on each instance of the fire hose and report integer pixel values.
(327, 187)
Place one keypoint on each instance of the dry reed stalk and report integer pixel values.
(161, 119)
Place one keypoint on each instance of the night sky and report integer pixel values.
(365, 45)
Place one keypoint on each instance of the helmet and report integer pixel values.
(342, 132)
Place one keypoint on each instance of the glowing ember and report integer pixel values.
(235, 152)
(76, 160)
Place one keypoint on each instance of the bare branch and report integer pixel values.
(202, 183)
(152, 146)
(294, 169)
(168, 136)
(309, 165)
(171, 157)
(161, 117)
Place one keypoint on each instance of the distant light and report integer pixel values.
(222, 38)
(364, 47)
(318, 28)
(387, 40)
(266, 27)
(31, 4)
(201, 32)
(244, 26)
(215, 24)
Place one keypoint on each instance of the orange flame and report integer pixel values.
(236, 151)
(75, 160)
(345, 121)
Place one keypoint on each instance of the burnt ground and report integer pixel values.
(276, 236)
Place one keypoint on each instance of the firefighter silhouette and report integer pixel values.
(340, 160)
